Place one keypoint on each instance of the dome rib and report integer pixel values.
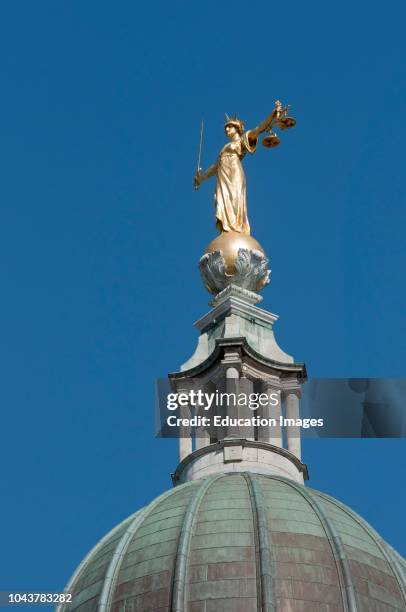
(183, 549)
(391, 560)
(336, 544)
(266, 592)
(399, 561)
(89, 557)
(120, 550)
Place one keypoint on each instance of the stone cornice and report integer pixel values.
(298, 368)
(235, 305)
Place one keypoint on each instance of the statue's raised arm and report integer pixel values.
(230, 192)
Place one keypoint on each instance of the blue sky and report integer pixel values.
(101, 231)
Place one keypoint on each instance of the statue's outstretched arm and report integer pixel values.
(200, 177)
(264, 125)
(211, 171)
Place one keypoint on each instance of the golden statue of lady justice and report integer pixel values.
(230, 192)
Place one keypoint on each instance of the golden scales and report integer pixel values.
(280, 120)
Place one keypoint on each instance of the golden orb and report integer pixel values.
(229, 243)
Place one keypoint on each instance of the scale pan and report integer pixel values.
(286, 122)
(271, 141)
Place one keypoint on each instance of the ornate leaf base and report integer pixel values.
(251, 267)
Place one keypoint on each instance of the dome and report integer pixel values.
(241, 543)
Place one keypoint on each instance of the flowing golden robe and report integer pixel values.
(230, 194)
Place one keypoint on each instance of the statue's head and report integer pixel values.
(233, 125)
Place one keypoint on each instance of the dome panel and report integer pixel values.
(146, 583)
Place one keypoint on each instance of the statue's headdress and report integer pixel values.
(238, 123)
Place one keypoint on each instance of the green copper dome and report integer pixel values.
(241, 543)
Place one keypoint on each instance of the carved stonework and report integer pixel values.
(232, 291)
(251, 266)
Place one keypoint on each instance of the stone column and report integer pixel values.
(246, 386)
(231, 386)
(292, 412)
(202, 433)
(185, 435)
(272, 435)
(202, 437)
(185, 432)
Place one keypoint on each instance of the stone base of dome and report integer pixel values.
(240, 455)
